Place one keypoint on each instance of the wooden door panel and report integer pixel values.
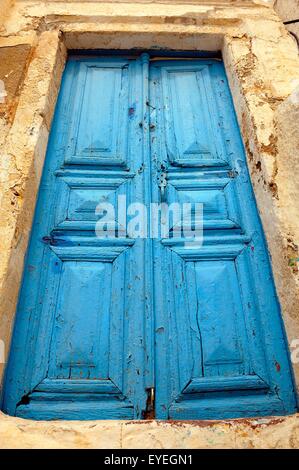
(213, 301)
(216, 194)
(82, 300)
(99, 120)
(80, 195)
(191, 134)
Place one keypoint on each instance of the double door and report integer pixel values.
(142, 322)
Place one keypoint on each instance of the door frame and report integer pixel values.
(51, 72)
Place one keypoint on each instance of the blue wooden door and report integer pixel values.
(102, 323)
(80, 348)
(220, 348)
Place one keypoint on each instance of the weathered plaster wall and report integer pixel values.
(288, 10)
(4, 9)
(273, 433)
(262, 64)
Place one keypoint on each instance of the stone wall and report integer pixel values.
(262, 65)
(288, 10)
(275, 433)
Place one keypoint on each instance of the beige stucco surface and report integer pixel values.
(238, 434)
(262, 65)
(288, 10)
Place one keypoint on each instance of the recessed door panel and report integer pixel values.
(190, 121)
(99, 114)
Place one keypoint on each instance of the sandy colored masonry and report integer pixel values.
(262, 64)
(288, 10)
